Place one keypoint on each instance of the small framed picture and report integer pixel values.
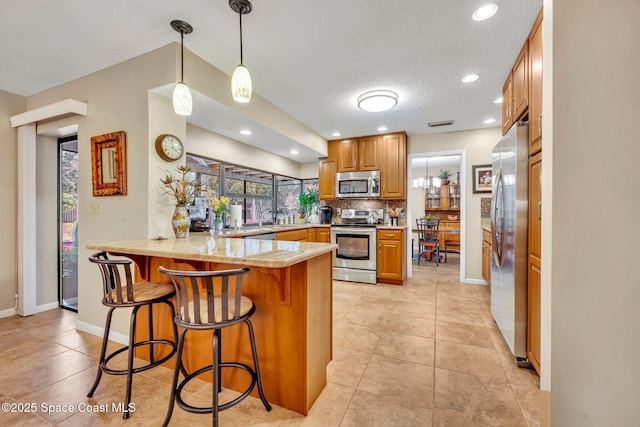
(481, 178)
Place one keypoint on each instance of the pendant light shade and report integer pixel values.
(241, 84)
(241, 79)
(182, 101)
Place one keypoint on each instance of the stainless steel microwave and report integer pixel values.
(358, 184)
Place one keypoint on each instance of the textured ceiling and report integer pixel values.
(310, 58)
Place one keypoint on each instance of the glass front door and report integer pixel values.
(68, 223)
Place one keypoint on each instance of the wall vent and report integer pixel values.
(442, 123)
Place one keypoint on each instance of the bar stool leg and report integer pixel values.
(174, 383)
(215, 370)
(256, 366)
(132, 342)
(103, 352)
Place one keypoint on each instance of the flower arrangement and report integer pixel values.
(182, 189)
(218, 205)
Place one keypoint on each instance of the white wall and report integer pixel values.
(595, 335)
(477, 145)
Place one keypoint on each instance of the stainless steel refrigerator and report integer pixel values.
(509, 201)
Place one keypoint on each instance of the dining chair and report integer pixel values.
(428, 238)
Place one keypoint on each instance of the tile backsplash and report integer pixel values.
(368, 204)
(485, 207)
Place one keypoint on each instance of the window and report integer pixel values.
(275, 196)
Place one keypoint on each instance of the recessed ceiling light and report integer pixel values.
(489, 121)
(246, 132)
(485, 12)
(294, 152)
(470, 78)
(376, 101)
(335, 134)
(498, 101)
(382, 128)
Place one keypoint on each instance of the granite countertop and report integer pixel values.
(485, 224)
(391, 227)
(204, 247)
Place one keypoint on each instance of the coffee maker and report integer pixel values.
(326, 213)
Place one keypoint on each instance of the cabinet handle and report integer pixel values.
(540, 124)
(540, 210)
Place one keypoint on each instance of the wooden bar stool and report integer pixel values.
(217, 303)
(119, 291)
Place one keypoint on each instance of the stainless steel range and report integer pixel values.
(355, 258)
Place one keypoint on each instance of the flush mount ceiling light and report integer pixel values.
(241, 79)
(376, 101)
(382, 128)
(335, 134)
(294, 151)
(485, 12)
(470, 78)
(488, 121)
(182, 102)
(246, 132)
(498, 101)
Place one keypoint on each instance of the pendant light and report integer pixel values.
(241, 80)
(182, 102)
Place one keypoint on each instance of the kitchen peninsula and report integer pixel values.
(291, 285)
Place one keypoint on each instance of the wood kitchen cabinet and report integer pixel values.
(358, 154)
(293, 235)
(393, 171)
(534, 260)
(535, 86)
(515, 92)
(486, 256)
(323, 235)
(391, 261)
(327, 179)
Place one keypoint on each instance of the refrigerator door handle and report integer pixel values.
(497, 209)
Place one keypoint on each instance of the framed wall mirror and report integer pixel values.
(108, 164)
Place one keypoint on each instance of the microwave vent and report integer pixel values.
(442, 123)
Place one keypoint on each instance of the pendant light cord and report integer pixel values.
(181, 56)
(241, 12)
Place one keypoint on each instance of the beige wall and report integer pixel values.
(121, 98)
(477, 145)
(595, 282)
(10, 105)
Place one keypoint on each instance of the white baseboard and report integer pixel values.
(8, 312)
(98, 331)
(47, 307)
(475, 281)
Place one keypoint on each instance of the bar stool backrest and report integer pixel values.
(114, 290)
(209, 298)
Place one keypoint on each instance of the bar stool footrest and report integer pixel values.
(150, 365)
(207, 410)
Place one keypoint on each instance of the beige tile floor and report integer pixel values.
(423, 354)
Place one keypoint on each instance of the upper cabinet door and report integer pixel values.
(369, 153)
(347, 155)
(521, 83)
(507, 104)
(535, 87)
(393, 173)
(327, 179)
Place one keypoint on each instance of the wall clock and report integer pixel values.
(169, 147)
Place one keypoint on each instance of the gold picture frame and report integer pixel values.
(109, 164)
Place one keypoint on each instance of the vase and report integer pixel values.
(180, 221)
(217, 223)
